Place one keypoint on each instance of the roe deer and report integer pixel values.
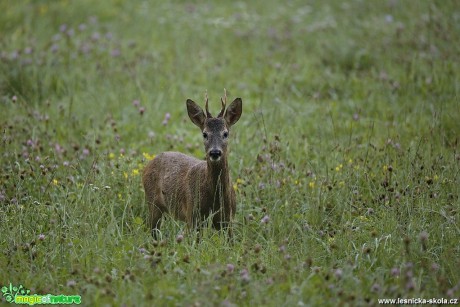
(190, 189)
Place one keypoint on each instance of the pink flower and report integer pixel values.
(265, 219)
(230, 268)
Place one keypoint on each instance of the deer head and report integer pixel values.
(215, 130)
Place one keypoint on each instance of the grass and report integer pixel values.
(345, 161)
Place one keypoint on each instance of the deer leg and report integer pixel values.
(155, 219)
(156, 206)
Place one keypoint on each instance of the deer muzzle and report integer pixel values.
(215, 154)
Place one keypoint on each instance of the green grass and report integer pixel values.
(348, 145)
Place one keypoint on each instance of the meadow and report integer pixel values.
(345, 161)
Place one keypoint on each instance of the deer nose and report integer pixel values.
(215, 154)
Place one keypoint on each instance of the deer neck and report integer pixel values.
(218, 179)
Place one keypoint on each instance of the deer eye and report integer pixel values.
(225, 134)
(205, 135)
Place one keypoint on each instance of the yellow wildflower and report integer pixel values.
(55, 182)
(135, 172)
(111, 156)
(148, 156)
(311, 184)
(363, 218)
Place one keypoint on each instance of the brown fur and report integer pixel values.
(189, 189)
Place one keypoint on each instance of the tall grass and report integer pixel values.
(345, 161)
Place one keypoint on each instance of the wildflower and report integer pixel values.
(125, 174)
(54, 48)
(341, 183)
(136, 103)
(435, 267)
(135, 172)
(111, 156)
(235, 187)
(311, 184)
(71, 283)
(423, 236)
(363, 218)
(338, 273)
(395, 272)
(245, 275)
(166, 119)
(423, 239)
(265, 219)
(230, 268)
(179, 238)
(115, 53)
(14, 98)
(339, 167)
(41, 237)
(141, 110)
(239, 181)
(148, 156)
(95, 36)
(375, 288)
(55, 182)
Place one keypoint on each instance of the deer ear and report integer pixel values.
(195, 113)
(233, 113)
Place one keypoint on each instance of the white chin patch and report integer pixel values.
(214, 159)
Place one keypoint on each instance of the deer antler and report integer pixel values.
(224, 102)
(208, 115)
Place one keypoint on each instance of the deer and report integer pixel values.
(193, 190)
